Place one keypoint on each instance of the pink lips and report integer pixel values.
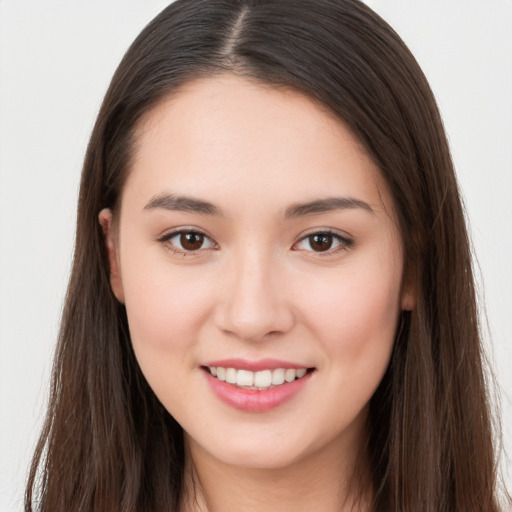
(255, 366)
(252, 400)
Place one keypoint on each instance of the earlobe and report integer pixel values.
(408, 299)
(105, 220)
(408, 302)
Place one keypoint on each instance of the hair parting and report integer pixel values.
(108, 444)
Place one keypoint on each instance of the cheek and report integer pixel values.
(355, 321)
(165, 310)
(355, 316)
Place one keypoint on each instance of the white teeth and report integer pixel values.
(263, 379)
(231, 375)
(289, 375)
(278, 376)
(245, 378)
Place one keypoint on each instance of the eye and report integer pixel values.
(187, 241)
(323, 242)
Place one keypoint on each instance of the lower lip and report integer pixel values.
(254, 400)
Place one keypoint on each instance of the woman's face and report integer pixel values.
(257, 242)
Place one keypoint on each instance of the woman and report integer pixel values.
(271, 304)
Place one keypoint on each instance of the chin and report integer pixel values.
(252, 452)
(264, 459)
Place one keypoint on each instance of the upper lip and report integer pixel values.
(256, 365)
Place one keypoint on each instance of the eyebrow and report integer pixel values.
(182, 204)
(189, 204)
(328, 204)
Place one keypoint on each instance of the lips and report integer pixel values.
(256, 386)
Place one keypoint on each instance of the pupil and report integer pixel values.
(321, 242)
(191, 241)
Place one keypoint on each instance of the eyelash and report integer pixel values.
(166, 241)
(344, 243)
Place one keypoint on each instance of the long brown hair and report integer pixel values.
(107, 443)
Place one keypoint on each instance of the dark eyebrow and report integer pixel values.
(189, 204)
(326, 205)
(182, 204)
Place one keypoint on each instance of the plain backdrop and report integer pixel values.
(56, 60)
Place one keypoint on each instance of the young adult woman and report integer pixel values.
(271, 305)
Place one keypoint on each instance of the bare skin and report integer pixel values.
(253, 227)
(299, 488)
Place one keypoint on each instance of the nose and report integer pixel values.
(254, 304)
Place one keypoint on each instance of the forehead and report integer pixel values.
(226, 135)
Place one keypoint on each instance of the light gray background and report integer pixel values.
(56, 60)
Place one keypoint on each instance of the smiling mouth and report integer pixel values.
(260, 380)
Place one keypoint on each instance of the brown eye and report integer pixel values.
(323, 242)
(320, 242)
(187, 242)
(191, 241)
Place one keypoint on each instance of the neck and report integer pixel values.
(333, 479)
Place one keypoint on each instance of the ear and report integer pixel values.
(105, 219)
(408, 298)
